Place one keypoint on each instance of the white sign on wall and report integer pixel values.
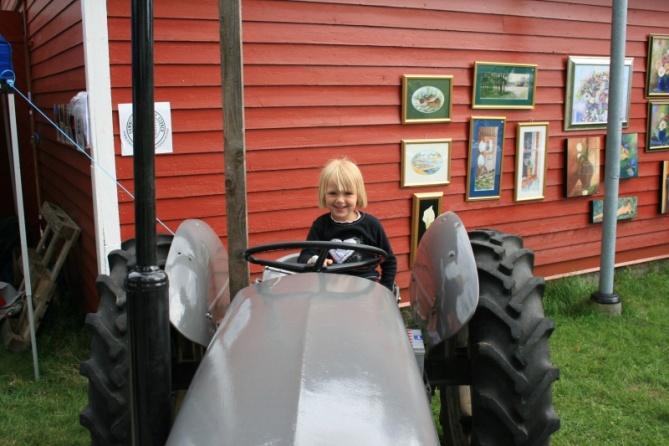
(163, 128)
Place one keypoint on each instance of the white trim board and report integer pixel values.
(98, 86)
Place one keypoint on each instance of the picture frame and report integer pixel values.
(657, 68)
(587, 92)
(629, 156)
(426, 162)
(426, 98)
(426, 207)
(664, 188)
(486, 151)
(531, 160)
(504, 85)
(627, 209)
(583, 168)
(658, 126)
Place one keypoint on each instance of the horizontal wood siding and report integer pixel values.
(189, 182)
(57, 74)
(323, 80)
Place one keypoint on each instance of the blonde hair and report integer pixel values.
(347, 176)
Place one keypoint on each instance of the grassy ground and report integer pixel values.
(613, 389)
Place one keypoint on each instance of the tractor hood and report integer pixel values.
(308, 359)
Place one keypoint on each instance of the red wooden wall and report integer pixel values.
(56, 56)
(322, 80)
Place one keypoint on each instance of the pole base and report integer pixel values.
(607, 303)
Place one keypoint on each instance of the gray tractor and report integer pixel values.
(313, 356)
(310, 355)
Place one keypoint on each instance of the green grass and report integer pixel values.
(613, 388)
(46, 412)
(614, 383)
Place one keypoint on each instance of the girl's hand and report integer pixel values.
(328, 262)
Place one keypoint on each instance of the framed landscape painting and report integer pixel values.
(664, 188)
(426, 162)
(587, 100)
(583, 166)
(504, 85)
(629, 157)
(657, 71)
(627, 209)
(426, 208)
(486, 144)
(426, 98)
(658, 126)
(531, 156)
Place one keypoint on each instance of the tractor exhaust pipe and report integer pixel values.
(147, 286)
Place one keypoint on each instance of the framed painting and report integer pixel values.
(587, 100)
(664, 188)
(629, 156)
(531, 156)
(486, 145)
(583, 166)
(627, 209)
(426, 98)
(427, 206)
(657, 71)
(504, 85)
(658, 121)
(426, 162)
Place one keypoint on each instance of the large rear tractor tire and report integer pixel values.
(509, 400)
(107, 415)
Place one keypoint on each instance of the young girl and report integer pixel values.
(341, 190)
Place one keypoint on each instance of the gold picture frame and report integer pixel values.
(423, 215)
(426, 98)
(531, 161)
(426, 162)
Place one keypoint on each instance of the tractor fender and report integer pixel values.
(444, 286)
(197, 268)
(308, 359)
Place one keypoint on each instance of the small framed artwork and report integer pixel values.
(427, 206)
(426, 98)
(587, 100)
(504, 85)
(658, 123)
(657, 71)
(627, 209)
(664, 188)
(426, 162)
(583, 166)
(531, 155)
(629, 158)
(486, 145)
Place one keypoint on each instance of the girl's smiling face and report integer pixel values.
(342, 203)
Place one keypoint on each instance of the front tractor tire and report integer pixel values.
(107, 415)
(508, 400)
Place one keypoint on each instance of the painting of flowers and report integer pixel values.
(629, 160)
(658, 121)
(587, 101)
(657, 81)
(583, 166)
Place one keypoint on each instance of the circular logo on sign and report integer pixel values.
(159, 132)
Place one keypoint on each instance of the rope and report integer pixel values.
(10, 83)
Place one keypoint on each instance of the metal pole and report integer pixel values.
(617, 99)
(18, 192)
(147, 287)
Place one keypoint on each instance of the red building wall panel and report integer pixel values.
(323, 80)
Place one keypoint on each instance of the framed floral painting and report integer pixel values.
(657, 71)
(629, 156)
(658, 126)
(587, 101)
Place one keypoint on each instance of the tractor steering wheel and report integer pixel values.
(378, 255)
